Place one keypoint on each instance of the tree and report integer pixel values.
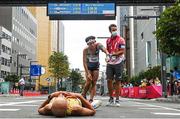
(76, 79)
(148, 74)
(12, 78)
(59, 66)
(168, 30)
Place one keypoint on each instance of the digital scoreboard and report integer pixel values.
(81, 11)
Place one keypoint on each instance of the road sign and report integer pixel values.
(35, 70)
(43, 71)
(84, 11)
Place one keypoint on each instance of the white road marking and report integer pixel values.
(150, 105)
(45, 97)
(174, 114)
(136, 105)
(149, 108)
(25, 105)
(16, 103)
(9, 109)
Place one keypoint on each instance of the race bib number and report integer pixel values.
(93, 59)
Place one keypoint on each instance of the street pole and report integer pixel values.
(163, 74)
(48, 87)
(140, 17)
(58, 36)
(30, 80)
(21, 70)
(17, 68)
(39, 82)
(163, 60)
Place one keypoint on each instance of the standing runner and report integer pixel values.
(91, 65)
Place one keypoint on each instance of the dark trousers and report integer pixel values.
(21, 90)
(172, 89)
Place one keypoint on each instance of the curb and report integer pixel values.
(169, 99)
(10, 95)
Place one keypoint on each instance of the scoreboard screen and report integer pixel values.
(81, 11)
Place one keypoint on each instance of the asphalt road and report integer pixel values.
(26, 107)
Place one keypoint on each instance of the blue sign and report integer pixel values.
(35, 70)
(81, 8)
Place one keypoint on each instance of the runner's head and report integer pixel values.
(90, 40)
(59, 106)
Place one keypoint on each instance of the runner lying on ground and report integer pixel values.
(63, 104)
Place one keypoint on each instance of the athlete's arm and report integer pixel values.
(103, 49)
(86, 110)
(45, 103)
(55, 94)
(82, 111)
(84, 60)
(45, 108)
(88, 75)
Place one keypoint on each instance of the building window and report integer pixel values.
(3, 48)
(2, 60)
(142, 36)
(148, 54)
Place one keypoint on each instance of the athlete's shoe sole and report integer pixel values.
(96, 103)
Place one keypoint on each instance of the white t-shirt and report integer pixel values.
(21, 81)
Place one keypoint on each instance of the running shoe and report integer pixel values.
(110, 102)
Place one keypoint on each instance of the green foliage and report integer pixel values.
(148, 74)
(124, 77)
(135, 80)
(168, 30)
(12, 78)
(59, 66)
(77, 79)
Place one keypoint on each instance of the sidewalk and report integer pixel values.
(26, 93)
(171, 99)
(9, 95)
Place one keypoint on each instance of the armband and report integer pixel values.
(121, 45)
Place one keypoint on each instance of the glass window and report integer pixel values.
(148, 53)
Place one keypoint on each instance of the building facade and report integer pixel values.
(57, 30)
(5, 52)
(23, 26)
(141, 44)
(48, 41)
(146, 54)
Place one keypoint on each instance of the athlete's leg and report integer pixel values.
(95, 75)
(117, 87)
(87, 86)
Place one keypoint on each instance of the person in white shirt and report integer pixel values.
(21, 86)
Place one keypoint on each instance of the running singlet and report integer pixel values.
(93, 59)
(71, 101)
